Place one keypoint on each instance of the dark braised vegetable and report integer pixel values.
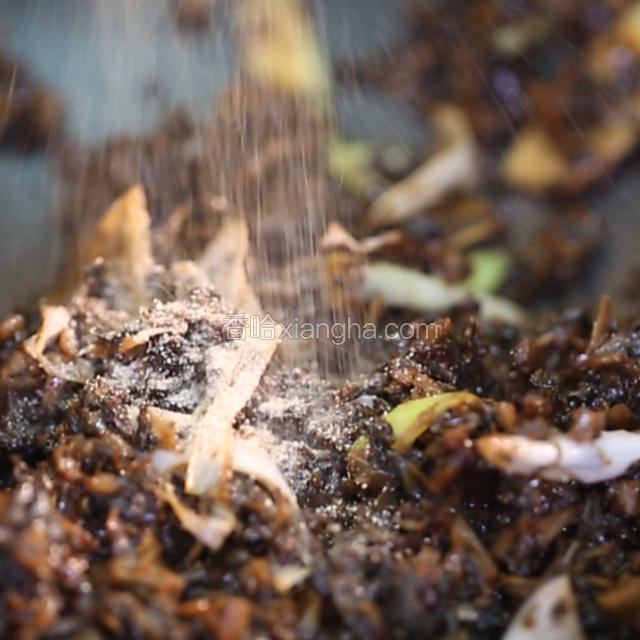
(99, 537)
(165, 475)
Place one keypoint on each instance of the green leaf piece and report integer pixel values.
(350, 162)
(411, 419)
(489, 269)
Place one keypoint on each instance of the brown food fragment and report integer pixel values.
(587, 424)
(30, 115)
(626, 497)
(600, 324)
(228, 617)
(11, 325)
(194, 14)
(622, 599)
(122, 238)
(619, 416)
(142, 566)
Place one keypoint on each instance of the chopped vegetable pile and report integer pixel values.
(164, 476)
(151, 488)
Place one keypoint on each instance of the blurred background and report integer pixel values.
(117, 69)
(94, 71)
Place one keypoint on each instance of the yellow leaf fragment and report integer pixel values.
(288, 576)
(279, 46)
(55, 319)
(56, 323)
(337, 237)
(224, 262)
(350, 162)
(411, 419)
(123, 239)
(614, 138)
(359, 445)
(627, 28)
(533, 162)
